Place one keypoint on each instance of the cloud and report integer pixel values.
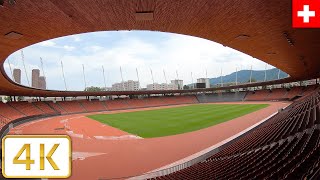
(94, 48)
(69, 48)
(131, 49)
(52, 44)
(48, 43)
(77, 38)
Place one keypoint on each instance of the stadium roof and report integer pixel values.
(259, 28)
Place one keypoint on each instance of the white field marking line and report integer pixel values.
(193, 156)
(68, 127)
(72, 134)
(17, 131)
(83, 155)
(65, 121)
(124, 137)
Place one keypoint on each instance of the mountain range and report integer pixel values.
(244, 76)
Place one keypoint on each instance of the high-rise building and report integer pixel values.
(204, 80)
(35, 78)
(178, 82)
(17, 75)
(162, 86)
(129, 85)
(42, 83)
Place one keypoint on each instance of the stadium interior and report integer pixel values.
(285, 146)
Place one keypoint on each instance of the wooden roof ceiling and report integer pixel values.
(259, 28)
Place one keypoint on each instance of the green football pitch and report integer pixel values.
(177, 120)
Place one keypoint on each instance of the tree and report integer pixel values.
(94, 89)
(186, 87)
(252, 80)
(7, 98)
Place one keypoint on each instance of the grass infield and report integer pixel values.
(177, 120)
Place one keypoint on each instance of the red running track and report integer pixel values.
(119, 154)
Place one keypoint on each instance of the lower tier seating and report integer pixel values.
(3, 121)
(71, 106)
(45, 107)
(57, 107)
(9, 112)
(26, 108)
(221, 97)
(280, 93)
(93, 105)
(284, 147)
(117, 104)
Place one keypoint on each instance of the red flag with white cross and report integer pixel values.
(306, 13)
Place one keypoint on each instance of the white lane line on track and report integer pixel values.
(124, 137)
(83, 155)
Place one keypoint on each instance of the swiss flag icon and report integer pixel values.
(306, 13)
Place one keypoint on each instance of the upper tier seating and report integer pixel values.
(287, 146)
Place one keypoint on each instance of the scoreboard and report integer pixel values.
(200, 85)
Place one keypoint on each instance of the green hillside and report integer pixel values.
(244, 76)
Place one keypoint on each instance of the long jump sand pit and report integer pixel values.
(101, 151)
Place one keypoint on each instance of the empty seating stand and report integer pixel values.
(26, 108)
(9, 112)
(277, 94)
(72, 106)
(155, 101)
(45, 107)
(186, 99)
(149, 102)
(137, 103)
(57, 107)
(309, 89)
(3, 121)
(287, 146)
(260, 95)
(221, 97)
(117, 104)
(294, 92)
(93, 105)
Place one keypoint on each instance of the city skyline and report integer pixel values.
(37, 81)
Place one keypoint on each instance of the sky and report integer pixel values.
(130, 50)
